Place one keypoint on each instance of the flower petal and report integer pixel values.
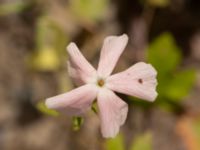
(113, 112)
(139, 81)
(113, 47)
(75, 101)
(74, 74)
(78, 67)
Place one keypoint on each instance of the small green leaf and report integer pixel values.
(42, 108)
(164, 54)
(116, 143)
(95, 107)
(180, 85)
(142, 142)
(77, 122)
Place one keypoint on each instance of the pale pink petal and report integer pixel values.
(79, 68)
(139, 81)
(113, 47)
(74, 74)
(112, 111)
(75, 101)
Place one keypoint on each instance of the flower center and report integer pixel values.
(100, 82)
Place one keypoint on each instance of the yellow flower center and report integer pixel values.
(100, 82)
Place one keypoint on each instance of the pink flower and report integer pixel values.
(139, 80)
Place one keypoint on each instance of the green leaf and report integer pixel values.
(42, 108)
(173, 84)
(142, 142)
(116, 143)
(164, 54)
(77, 122)
(180, 85)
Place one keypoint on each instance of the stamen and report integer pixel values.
(100, 82)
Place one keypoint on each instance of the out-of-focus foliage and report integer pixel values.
(50, 46)
(116, 143)
(88, 11)
(158, 3)
(65, 83)
(77, 122)
(12, 8)
(173, 83)
(164, 54)
(94, 108)
(45, 60)
(48, 33)
(142, 142)
(180, 84)
(42, 108)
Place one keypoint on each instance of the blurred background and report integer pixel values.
(33, 38)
